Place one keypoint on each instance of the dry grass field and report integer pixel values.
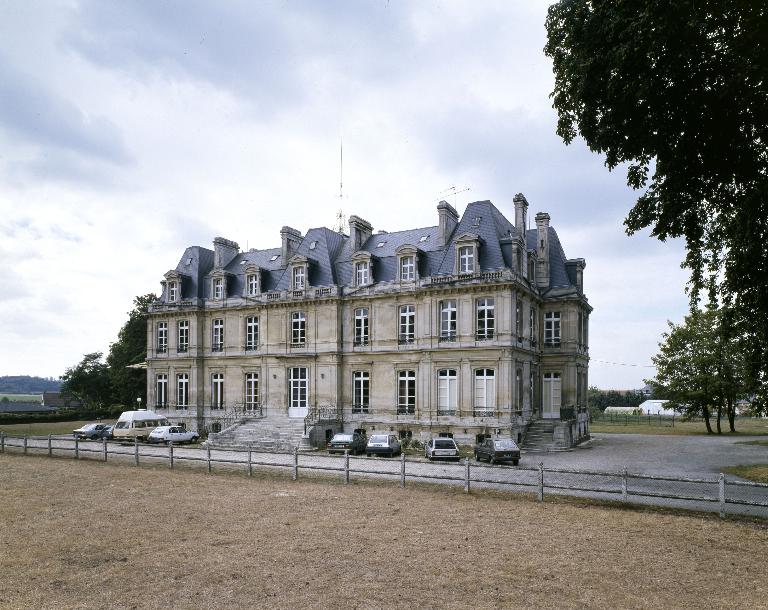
(82, 534)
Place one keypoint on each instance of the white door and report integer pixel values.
(550, 396)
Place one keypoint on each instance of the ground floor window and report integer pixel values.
(551, 393)
(447, 393)
(161, 395)
(251, 391)
(182, 390)
(406, 392)
(217, 391)
(361, 391)
(297, 382)
(485, 392)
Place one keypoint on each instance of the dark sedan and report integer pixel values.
(498, 450)
(354, 443)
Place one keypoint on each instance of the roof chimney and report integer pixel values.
(359, 232)
(224, 251)
(449, 218)
(291, 239)
(521, 214)
(542, 249)
(575, 269)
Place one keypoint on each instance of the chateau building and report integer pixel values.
(471, 327)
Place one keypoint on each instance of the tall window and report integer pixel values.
(217, 339)
(466, 259)
(485, 319)
(182, 391)
(173, 292)
(251, 332)
(362, 273)
(251, 391)
(297, 381)
(361, 326)
(551, 395)
(161, 396)
(552, 328)
(218, 288)
(182, 343)
(252, 281)
(361, 391)
(298, 328)
(406, 392)
(485, 392)
(448, 320)
(217, 391)
(519, 320)
(162, 337)
(447, 393)
(407, 332)
(532, 324)
(519, 384)
(299, 275)
(407, 268)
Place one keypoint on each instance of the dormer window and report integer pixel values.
(252, 281)
(218, 288)
(407, 269)
(362, 273)
(173, 292)
(466, 259)
(172, 286)
(407, 263)
(299, 277)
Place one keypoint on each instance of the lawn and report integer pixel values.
(751, 472)
(227, 541)
(46, 428)
(22, 397)
(744, 426)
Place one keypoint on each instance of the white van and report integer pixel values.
(137, 424)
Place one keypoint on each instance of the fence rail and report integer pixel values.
(721, 494)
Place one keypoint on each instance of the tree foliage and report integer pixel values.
(701, 368)
(130, 348)
(601, 399)
(678, 91)
(89, 381)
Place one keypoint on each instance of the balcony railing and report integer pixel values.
(161, 349)
(551, 342)
(484, 413)
(251, 347)
(486, 336)
(446, 412)
(406, 339)
(449, 337)
(406, 410)
(182, 349)
(361, 342)
(217, 347)
(358, 409)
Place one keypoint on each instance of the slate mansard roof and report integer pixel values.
(330, 264)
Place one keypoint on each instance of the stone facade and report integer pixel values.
(474, 326)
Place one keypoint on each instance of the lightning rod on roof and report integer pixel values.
(340, 218)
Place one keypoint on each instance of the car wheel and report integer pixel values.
(367, 455)
(195, 439)
(515, 462)
(94, 437)
(491, 460)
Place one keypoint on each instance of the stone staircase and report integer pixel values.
(539, 436)
(264, 434)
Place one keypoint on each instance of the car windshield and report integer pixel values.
(444, 443)
(379, 438)
(505, 444)
(342, 438)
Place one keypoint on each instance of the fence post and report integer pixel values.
(208, 452)
(346, 467)
(170, 454)
(466, 475)
(295, 474)
(2, 442)
(50, 446)
(541, 481)
(25, 444)
(250, 464)
(721, 483)
(77, 448)
(402, 470)
(104, 448)
(624, 485)
(136, 450)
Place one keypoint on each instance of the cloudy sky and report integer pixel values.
(130, 130)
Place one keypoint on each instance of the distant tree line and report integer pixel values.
(103, 384)
(27, 384)
(600, 399)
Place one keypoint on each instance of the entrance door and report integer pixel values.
(550, 396)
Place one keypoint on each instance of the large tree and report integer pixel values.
(700, 367)
(678, 91)
(89, 381)
(130, 349)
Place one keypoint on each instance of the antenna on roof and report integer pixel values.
(452, 191)
(341, 220)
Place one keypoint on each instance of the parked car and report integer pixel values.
(441, 448)
(383, 444)
(498, 450)
(354, 443)
(108, 432)
(93, 431)
(175, 434)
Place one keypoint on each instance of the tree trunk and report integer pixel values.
(731, 415)
(706, 420)
(719, 417)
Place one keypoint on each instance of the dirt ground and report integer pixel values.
(93, 535)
